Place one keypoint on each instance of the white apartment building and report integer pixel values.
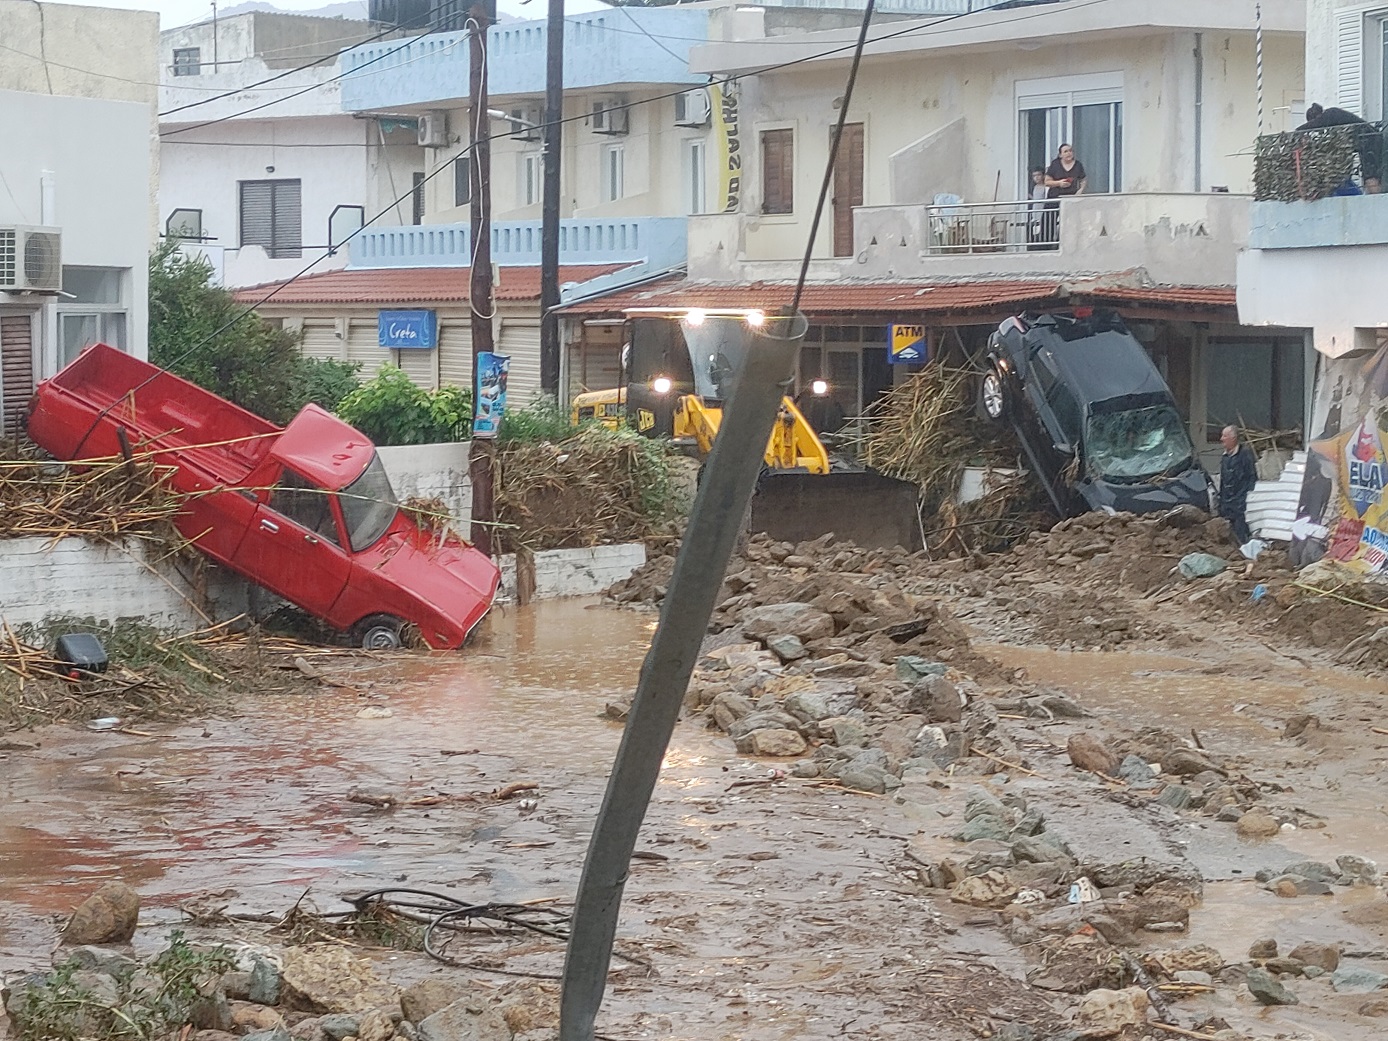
(77, 176)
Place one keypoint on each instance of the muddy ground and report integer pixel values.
(792, 907)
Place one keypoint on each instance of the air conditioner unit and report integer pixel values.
(31, 259)
(610, 116)
(525, 124)
(433, 130)
(693, 108)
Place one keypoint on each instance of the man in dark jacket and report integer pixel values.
(1368, 142)
(1238, 473)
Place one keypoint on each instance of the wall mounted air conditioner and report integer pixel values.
(610, 116)
(433, 130)
(693, 108)
(525, 124)
(31, 259)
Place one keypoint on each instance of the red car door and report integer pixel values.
(294, 546)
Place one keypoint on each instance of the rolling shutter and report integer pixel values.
(364, 346)
(1349, 60)
(16, 371)
(520, 338)
(420, 366)
(320, 339)
(271, 217)
(455, 352)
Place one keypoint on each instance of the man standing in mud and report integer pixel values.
(1238, 473)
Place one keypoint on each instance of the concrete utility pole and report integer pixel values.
(481, 463)
(549, 231)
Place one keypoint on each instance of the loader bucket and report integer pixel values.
(863, 507)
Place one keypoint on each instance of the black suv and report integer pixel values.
(1096, 420)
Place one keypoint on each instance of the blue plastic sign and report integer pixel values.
(492, 370)
(906, 344)
(408, 330)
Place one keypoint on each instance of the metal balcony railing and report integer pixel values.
(1303, 165)
(993, 227)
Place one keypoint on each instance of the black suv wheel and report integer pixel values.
(993, 404)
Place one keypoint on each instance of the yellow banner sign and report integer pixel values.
(729, 145)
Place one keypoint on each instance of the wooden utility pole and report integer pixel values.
(549, 229)
(483, 455)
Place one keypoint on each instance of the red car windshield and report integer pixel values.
(368, 506)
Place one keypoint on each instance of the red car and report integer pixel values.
(306, 511)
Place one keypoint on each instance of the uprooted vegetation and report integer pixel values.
(103, 499)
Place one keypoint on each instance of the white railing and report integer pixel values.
(993, 227)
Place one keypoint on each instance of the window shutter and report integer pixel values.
(462, 183)
(257, 207)
(417, 199)
(1349, 60)
(777, 171)
(288, 226)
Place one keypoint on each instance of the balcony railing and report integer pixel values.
(993, 227)
(1304, 165)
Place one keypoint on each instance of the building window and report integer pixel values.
(613, 172)
(695, 175)
(462, 181)
(95, 311)
(1257, 383)
(1083, 111)
(531, 177)
(271, 217)
(778, 171)
(417, 199)
(187, 61)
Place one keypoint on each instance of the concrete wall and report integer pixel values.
(75, 577)
(432, 471)
(575, 572)
(83, 165)
(1337, 291)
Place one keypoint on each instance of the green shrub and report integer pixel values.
(541, 420)
(326, 382)
(391, 410)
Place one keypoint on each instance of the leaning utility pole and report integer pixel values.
(549, 229)
(483, 454)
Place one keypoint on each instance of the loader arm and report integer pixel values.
(793, 444)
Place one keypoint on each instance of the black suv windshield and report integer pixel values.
(1137, 443)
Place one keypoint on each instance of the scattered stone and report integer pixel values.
(1284, 966)
(1137, 772)
(1258, 824)
(278, 1033)
(249, 1017)
(1262, 950)
(464, 1020)
(910, 668)
(1315, 870)
(1105, 1013)
(264, 985)
(212, 1011)
(786, 647)
(421, 1000)
(793, 619)
(1177, 796)
(729, 707)
(1267, 989)
(1354, 868)
(1186, 762)
(936, 699)
(1374, 1008)
(97, 959)
(772, 743)
(237, 985)
(1350, 979)
(865, 777)
(375, 1025)
(1294, 885)
(109, 915)
(1193, 977)
(845, 732)
(328, 979)
(992, 889)
(805, 768)
(1298, 725)
(1323, 955)
(1088, 753)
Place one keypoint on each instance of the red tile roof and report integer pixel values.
(838, 298)
(1191, 296)
(410, 285)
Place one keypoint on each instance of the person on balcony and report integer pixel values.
(1368, 143)
(1036, 209)
(1065, 178)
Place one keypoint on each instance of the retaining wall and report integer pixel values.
(432, 471)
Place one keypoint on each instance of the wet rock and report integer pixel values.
(1355, 868)
(1186, 762)
(1258, 824)
(331, 980)
(986, 860)
(773, 743)
(763, 719)
(279, 1033)
(211, 1011)
(464, 1021)
(237, 985)
(845, 732)
(1299, 724)
(1139, 875)
(1040, 849)
(805, 768)
(1374, 1008)
(866, 777)
(265, 982)
(1014, 1032)
(1262, 950)
(1323, 955)
(1315, 870)
(910, 668)
(1350, 979)
(339, 1026)
(1283, 966)
(96, 959)
(1193, 977)
(1187, 892)
(811, 706)
(936, 699)
(729, 707)
(109, 915)
(375, 1025)
(1137, 772)
(1088, 753)
(802, 621)
(992, 889)
(1105, 1013)
(786, 647)
(249, 1017)
(1294, 885)
(1267, 989)
(983, 804)
(991, 828)
(1177, 796)
(100, 989)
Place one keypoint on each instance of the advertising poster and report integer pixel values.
(728, 144)
(1342, 514)
(491, 393)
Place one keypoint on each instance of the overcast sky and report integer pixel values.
(181, 12)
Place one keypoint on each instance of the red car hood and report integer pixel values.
(457, 580)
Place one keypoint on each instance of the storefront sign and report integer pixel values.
(404, 330)
(906, 344)
(492, 370)
(729, 145)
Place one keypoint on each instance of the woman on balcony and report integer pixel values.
(1064, 177)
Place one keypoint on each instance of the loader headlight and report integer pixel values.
(755, 319)
(819, 388)
(661, 384)
(695, 316)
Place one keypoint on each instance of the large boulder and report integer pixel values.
(109, 915)
(1107, 1013)
(774, 742)
(465, 1020)
(802, 621)
(328, 979)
